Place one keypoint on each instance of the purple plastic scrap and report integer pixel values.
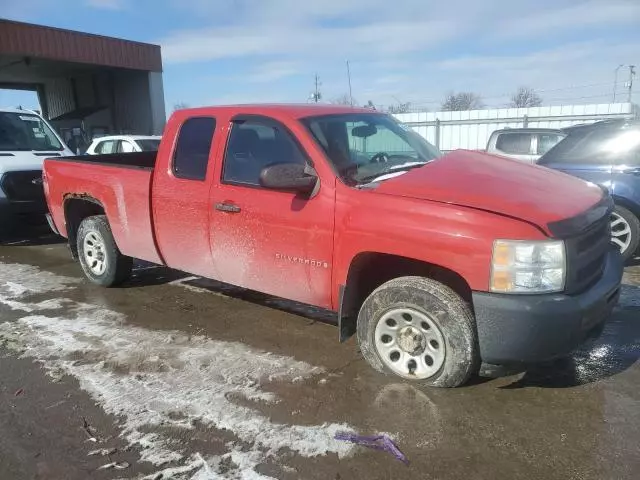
(379, 442)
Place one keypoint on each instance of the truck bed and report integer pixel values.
(119, 183)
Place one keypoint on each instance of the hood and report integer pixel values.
(508, 187)
(17, 160)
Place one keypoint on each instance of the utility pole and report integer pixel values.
(632, 73)
(615, 82)
(316, 95)
(349, 78)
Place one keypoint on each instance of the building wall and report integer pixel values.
(132, 103)
(59, 96)
(133, 100)
(158, 113)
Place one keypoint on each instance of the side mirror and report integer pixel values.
(288, 176)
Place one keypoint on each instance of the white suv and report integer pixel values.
(123, 144)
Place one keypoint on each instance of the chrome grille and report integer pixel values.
(586, 255)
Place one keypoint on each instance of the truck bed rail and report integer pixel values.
(138, 160)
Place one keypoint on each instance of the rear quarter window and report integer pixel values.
(107, 146)
(191, 156)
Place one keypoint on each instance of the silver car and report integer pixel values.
(524, 144)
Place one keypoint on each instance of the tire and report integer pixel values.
(99, 256)
(625, 231)
(424, 311)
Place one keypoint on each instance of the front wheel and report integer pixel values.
(420, 330)
(625, 231)
(100, 258)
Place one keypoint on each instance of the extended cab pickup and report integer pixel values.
(440, 264)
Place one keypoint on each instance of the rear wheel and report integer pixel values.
(100, 258)
(420, 330)
(625, 231)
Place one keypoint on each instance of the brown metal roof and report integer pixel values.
(27, 40)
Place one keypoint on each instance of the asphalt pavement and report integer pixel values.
(173, 376)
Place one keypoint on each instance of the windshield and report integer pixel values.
(367, 147)
(23, 131)
(149, 145)
(595, 144)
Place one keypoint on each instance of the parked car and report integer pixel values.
(438, 263)
(608, 154)
(525, 144)
(123, 144)
(25, 140)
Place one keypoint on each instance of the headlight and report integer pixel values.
(528, 266)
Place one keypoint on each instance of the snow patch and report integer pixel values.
(152, 378)
(18, 280)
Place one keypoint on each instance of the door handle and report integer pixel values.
(227, 207)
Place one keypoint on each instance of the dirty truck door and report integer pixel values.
(180, 196)
(277, 242)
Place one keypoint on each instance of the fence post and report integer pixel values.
(438, 133)
(525, 121)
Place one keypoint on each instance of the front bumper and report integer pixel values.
(517, 329)
(26, 207)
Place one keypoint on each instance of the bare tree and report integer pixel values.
(370, 105)
(403, 107)
(525, 97)
(462, 101)
(180, 106)
(343, 99)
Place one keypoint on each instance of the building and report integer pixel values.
(87, 85)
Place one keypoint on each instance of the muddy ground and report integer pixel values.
(176, 377)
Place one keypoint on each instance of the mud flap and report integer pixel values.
(346, 323)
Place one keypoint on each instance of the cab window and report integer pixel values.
(191, 156)
(253, 145)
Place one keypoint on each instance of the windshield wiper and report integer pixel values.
(396, 169)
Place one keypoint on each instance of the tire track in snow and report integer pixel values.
(152, 379)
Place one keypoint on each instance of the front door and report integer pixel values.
(277, 242)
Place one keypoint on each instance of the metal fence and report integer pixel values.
(472, 129)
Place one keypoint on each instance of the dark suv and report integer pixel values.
(606, 153)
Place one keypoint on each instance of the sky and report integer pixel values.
(238, 51)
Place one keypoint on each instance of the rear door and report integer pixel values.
(277, 242)
(181, 205)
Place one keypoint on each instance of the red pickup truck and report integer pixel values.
(440, 264)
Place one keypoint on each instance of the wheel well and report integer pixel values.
(629, 205)
(370, 270)
(76, 209)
